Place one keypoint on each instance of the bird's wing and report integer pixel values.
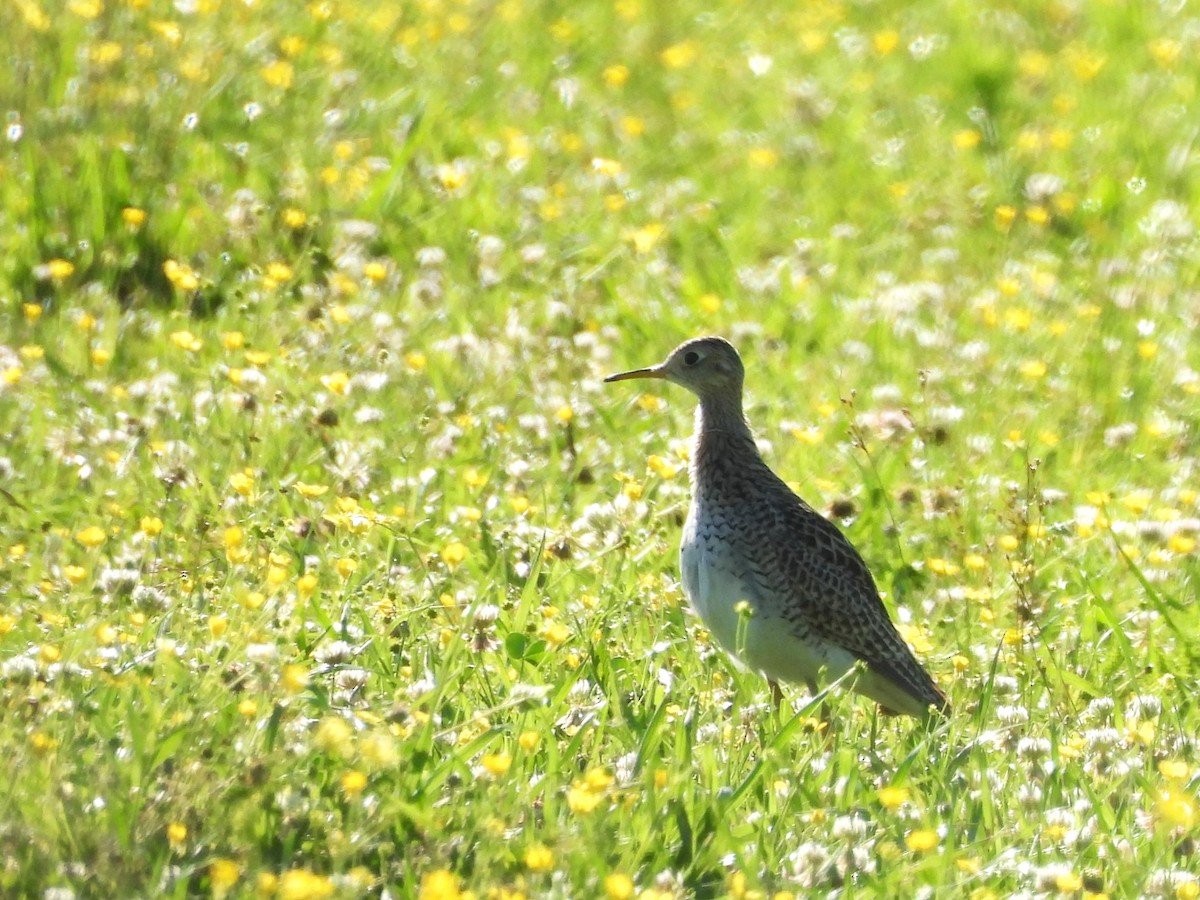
(829, 591)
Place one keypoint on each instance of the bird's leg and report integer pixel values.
(776, 694)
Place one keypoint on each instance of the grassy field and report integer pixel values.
(330, 568)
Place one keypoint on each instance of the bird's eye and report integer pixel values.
(691, 358)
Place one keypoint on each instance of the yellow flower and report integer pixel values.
(223, 874)
(292, 45)
(294, 218)
(663, 468)
(185, 340)
(454, 553)
(279, 74)
(618, 886)
(233, 340)
(345, 566)
(763, 157)
(176, 834)
(1141, 733)
(451, 176)
(1174, 769)
(609, 168)
(529, 741)
(75, 574)
(1137, 502)
(60, 269)
(310, 490)
(306, 584)
(915, 636)
(616, 75)
(581, 800)
(598, 779)
(301, 884)
(893, 797)
(1068, 882)
(133, 216)
(242, 482)
(1176, 808)
(885, 41)
(334, 736)
(48, 654)
(294, 678)
(921, 841)
(92, 536)
(1166, 52)
(440, 884)
(33, 15)
(180, 275)
(967, 139)
(1084, 63)
(939, 566)
(539, 858)
(416, 361)
(555, 633)
(31, 311)
(86, 9)
(354, 783)
(681, 55)
(336, 382)
(279, 271)
(1018, 319)
(378, 750)
(496, 764)
(646, 238)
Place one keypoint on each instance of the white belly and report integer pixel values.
(714, 592)
(756, 636)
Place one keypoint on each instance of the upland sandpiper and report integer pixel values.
(778, 585)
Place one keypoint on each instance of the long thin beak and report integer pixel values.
(651, 372)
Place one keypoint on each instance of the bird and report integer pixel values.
(779, 586)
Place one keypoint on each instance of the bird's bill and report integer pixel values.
(651, 372)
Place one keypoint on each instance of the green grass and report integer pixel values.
(329, 567)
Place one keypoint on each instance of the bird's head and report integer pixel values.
(709, 367)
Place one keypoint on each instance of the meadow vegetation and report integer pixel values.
(329, 568)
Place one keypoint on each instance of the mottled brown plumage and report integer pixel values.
(779, 586)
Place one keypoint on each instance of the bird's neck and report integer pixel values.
(721, 434)
(721, 414)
